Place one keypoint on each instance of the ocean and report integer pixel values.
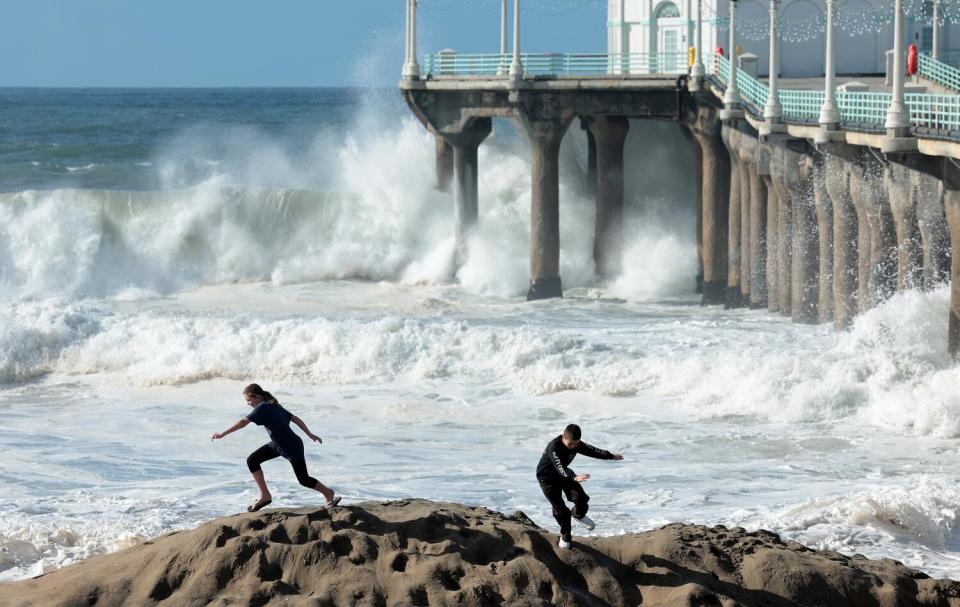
(160, 249)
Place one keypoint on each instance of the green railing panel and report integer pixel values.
(939, 72)
(801, 106)
(935, 112)
(555, 64)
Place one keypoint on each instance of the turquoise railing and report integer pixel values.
(939, 72)
(935, 112)
(556, 64)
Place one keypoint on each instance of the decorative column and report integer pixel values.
(773, 112)
(731, 98)
(411, 69)
(610, 132)
(715, 196)
(898, 118)
(516, 67)
(936, 30)
(698, 71)
(829, 113)
(503, 37)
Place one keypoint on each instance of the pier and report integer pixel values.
(818, 199)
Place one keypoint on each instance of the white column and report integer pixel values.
(829, 114)
(411, 69)
(731, 99)
(936, 30)
(898, 118)
(516, 67)
(504, 27)
(773, 112)
(698, 70)
(624, 40)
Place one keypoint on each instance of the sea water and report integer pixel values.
(161, 249)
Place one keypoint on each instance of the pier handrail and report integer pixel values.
(939, 72)
(448, 63)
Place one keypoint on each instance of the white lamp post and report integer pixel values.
(698, 71)
(411, 69)
(898, 118)
(516, 67)
(773, 111)
(935, 51)
(829, 113)
(503, 37)
(731, 98)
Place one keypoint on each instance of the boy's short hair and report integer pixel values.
(572, 431)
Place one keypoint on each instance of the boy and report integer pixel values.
(557, 480)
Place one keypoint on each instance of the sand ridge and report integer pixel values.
(418, 552)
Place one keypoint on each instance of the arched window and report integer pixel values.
(667, 10)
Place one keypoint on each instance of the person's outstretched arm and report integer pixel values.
(591, 451)
(306, 430)
(240, 424)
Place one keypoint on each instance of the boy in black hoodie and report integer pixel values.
(557, 480)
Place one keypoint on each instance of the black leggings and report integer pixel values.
(555, 490)
(267, 452)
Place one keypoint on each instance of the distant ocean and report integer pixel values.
(160, 249)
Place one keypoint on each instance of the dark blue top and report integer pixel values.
(276, 419)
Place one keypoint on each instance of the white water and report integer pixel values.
(130, 322)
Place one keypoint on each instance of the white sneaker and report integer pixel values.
(587, 522)
(564, 544)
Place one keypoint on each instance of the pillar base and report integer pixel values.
(954, 334)
(734, 298)
(714, 293)
(829, 133)
(734, 112)
(545, 288)
(896, 142)
(699, 283)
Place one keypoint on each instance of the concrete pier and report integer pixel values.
(546, 132)
(903, 207)
(465, 188)
(952, 207)
(714, 203)
(928, 192)
(858, 192)
(609, 133)
(444, 164)
(845, 238)
(806, 251)
(758, 230)
(734, 230)
(883, 238)
(784, 248)
(747, 147)
(824, 214)
(772, 242)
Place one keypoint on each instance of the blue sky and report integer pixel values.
(261, 42)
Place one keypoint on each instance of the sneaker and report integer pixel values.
(565, 544)
(587, 522)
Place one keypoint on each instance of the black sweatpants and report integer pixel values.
(555, 490)
(267, 452)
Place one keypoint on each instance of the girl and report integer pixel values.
(268, 412)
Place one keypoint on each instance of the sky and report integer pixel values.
(262, 43)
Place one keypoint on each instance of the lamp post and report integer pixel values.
(731, 98)
(898, 118)
(829, 113)
(411, 69)
(698, 71)
(516, 67)
(773, 111)
(935, 51)
(503, 38)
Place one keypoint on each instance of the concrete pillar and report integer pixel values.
(784, 244)
(714, 204)
(882, 268)
(952, 208)
(859, 193)
(698, 171)
(805, 286)
(758, 240)
(610, 132)
(734, 230)
(545, 134)
(747, 157)
(845, 237)
(465, 189)
(516, 66)
(772, 244)
(824, 215)
(591, 156)
(444, 163)
(829, 112)
(928, 192)
(903, 207)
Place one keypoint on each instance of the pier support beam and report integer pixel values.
(784, 240)
(610, 133)
(444, 164)
(465, 189)
(951, 204)
(747, 150)
(806, 252)
(714, 201)
(845, 238)
(933, 229)
(545, 126)
(758, 227)
(772, 242)
(824, 214)
(858, 193)
(734, 297)
(903, 206)
(591, 156)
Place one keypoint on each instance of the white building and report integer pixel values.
(668, 26)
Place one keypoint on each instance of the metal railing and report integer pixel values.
(555, 64)
(939, 72)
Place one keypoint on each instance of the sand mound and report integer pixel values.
(425, 553)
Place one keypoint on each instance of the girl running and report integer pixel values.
(284, 442)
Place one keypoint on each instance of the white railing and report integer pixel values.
(554, 64)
